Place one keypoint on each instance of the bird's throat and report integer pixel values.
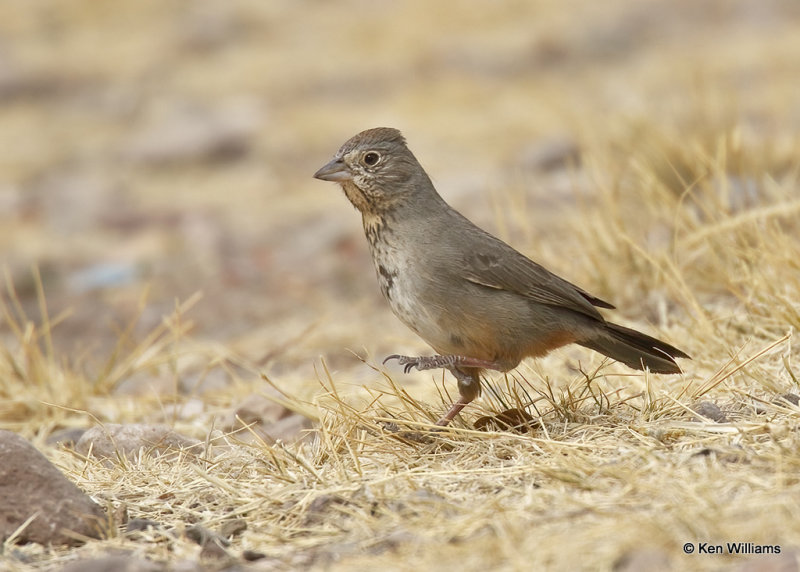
(373, 226)
(357, 197)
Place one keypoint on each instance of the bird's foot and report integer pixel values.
(438, 361)
(462, 367)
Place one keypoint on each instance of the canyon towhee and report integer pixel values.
(478, 302)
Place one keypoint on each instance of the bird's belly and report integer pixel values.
(410, 304)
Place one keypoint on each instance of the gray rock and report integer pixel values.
(653, 559)
(112, 440)
(194, 134)
(66, 437)
(113, 564)
(268, 420)
(707, 410)
(33, 488)
(786, 561)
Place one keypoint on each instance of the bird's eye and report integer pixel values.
(371, 158)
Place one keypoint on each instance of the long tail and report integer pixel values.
(635, 349)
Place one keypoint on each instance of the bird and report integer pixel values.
(479, 303)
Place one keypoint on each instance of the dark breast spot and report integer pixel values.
(386, 279)
(457, 340)
(387, 276)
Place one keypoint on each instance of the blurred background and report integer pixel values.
(154, 149)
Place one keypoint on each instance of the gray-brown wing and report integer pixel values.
(494, 264)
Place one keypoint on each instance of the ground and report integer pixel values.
(167, 255)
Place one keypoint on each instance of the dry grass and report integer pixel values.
(683, 211)
(615, 461)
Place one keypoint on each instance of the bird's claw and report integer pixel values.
(407, 362)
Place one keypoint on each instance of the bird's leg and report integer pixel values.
(469, 387)
(455, 409)
(464, 369)
(447, 361)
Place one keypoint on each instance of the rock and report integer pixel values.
(252, 555)
(205, 28)
(558, 152)
(269, 420)
(102, 275)
(257, 408)
(118, 563)
(193, 134)
(31, 486)
(234, 527)
(790, 398)
(66, 437)
(72, 199)
(142, 524)
(187, 410)
(213, 544)
(643, 559)
(20, 84)
(786, 561)
(289, 429)
(112, 439)
(707, 410)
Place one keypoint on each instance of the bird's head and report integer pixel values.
(376, 170)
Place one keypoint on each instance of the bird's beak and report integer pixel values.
(335, 171)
